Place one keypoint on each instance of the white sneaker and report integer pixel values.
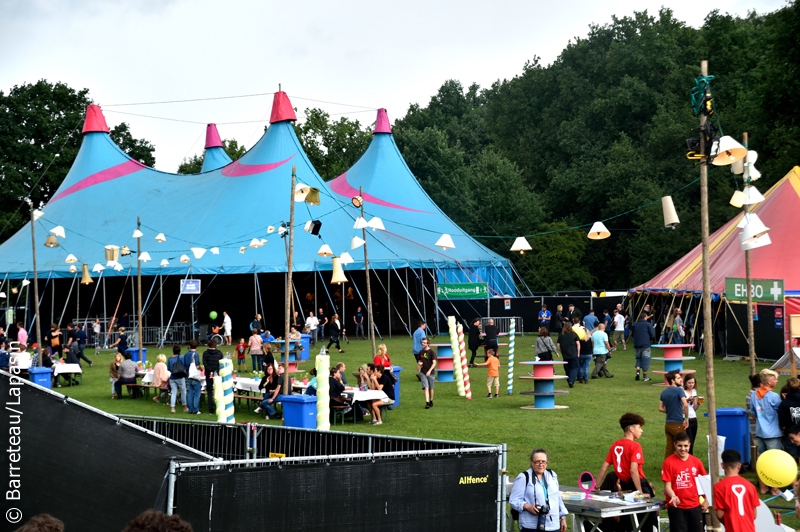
(378, 423)
(258, 409)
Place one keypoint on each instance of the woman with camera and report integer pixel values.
(537, 498)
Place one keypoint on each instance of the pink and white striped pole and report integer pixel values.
(464, 366)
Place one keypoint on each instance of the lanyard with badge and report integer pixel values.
(542, 510)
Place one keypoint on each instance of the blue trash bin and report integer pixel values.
(299, 411)
(734, 425)
(134, 351)
(396, 370)
(305, 341)
(41, 376)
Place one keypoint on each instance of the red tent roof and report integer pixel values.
(212, 137)
(775, 261)
(95, 121)
(281, 108)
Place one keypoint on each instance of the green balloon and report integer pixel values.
(212, 314)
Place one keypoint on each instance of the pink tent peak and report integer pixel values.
(212, 137)
(382, 123)
(95, 121)
(281, 108)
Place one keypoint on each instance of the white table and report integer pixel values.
(63, 369)
(368, 395)
(21, 360)
(247, 385)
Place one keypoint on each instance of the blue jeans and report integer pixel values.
(572, 369)
(584, 363)
(258, 362)
(321, 332)
(174, 386)
(267, 403)
(194, 394)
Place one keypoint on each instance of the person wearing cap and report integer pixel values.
(575, 313)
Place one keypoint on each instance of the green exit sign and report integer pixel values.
(763, 290)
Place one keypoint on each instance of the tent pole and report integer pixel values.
(287, 389)
(408, 303)
(751, 339)
(138, 289)
(105, 314)
(366, 270)
(389, 300)
(66, 303)
(255, 291)
(315, 297)
(161, 302)
(78, 307)
(53, 302)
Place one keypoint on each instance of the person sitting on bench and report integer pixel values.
(127, 374)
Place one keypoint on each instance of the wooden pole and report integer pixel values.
(708, 339)
(139, 288)
(38, 349)
(366, 271)
(286, 378)
(751, 339)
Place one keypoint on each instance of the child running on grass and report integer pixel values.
(494, 374)
(241, 348)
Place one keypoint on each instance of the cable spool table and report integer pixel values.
(444, 362)
(673, 359)
(544, 377)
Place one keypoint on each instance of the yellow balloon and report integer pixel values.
(776, 468)
(580, 331)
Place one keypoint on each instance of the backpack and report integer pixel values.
(178, 369)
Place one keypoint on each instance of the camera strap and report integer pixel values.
(544, 488)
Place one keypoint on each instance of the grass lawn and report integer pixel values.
(577, 438)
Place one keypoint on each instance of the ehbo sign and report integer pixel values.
(763, 290)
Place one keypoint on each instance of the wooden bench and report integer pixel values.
(133, 390)
(339, 411)
(249, 399)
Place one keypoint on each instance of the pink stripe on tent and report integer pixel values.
(382, 123)
(108, 174)
(237, 169)
(343, 188)
(212, 137)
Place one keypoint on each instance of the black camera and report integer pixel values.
(543, 510)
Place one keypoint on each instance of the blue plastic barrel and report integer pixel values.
(396, 370)
(299, 411)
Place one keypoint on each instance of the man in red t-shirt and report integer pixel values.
(735, 499)
(626, 458)
(679, 473)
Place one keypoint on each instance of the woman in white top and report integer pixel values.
(311, 325)
(689, 388)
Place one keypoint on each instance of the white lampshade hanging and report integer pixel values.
(270, 229)
(37, 214)
(748, 216)
(376, 223)
(521, 244)
(445, 241)
(325, 251)
(752, 196)
(753, 229)
(263, 241)
(599, 231)
(73, 269)
(144, 256)
(184, 258)
(671, 219)
(214, 251)
(727, 151)
(242, 249)
(737, 168)
(2, 295)
(763, 240)
(98, 268)
(164, 262)
(346, 258)
(58, 231)
(137, 234)
(161, 238)
(198, 252)
(306, 193)
(70, 259)
(307, 227)
(356, 242)
(361, 223)
(111, 263)
(25, 282)
(281, 230)
(255, 243)
(118, 267)
(737, 200)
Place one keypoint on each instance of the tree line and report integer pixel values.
(599, 132)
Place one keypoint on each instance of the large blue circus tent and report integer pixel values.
(234, 205)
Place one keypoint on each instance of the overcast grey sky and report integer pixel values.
(372, 54)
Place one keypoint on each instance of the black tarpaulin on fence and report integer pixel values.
(78, 464)
(439, 493)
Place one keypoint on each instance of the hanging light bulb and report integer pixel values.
(51, 241)
(86, 277)
(356, 242)
(270, 230)
(670, 214)
(255, 243)
(346, 258)
(14, 290)
(599, 231)
(144, 256)
(738, 198)
(361, 223)
(445, 241)
(73, 268)
(161, 238)
(184, 258)
(37, 214)
(118, 267)
(98, 268)
(325, 251)
(214, 251)
(727, 151)
(164, 262)
(58, 231)
(376, 223)
(125, 251)
(338, 274)
(137, 234)
(521, 244)
(752, 196)
(197, 252)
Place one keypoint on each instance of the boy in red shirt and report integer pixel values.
(626, 457)
(241, 348)
(679, 473)
(494, 373)
(735, 499)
